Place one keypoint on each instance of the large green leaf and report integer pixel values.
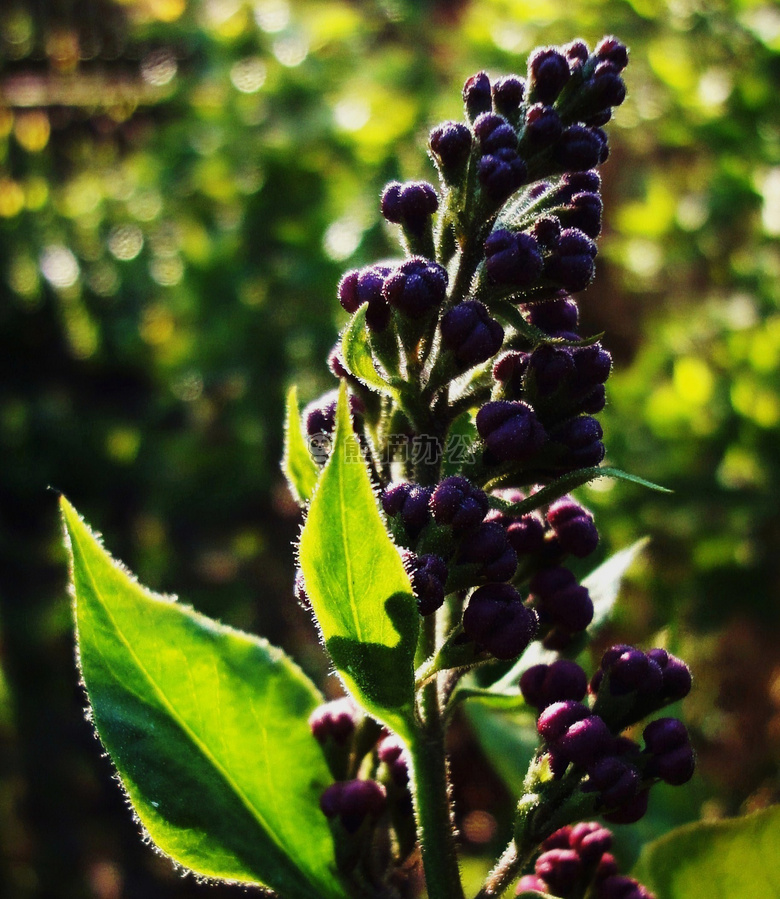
(736, 858)
(299, 467)
(208, 730)
(508, 739)
(603, 583)
(358, 357)
(357, 584)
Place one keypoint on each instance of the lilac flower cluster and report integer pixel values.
(576, 861)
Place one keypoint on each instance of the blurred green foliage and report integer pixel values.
(181, 185)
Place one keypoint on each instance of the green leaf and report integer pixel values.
(735, 858)
(207, 727)
(359, 590)
(462, 437)
(299, 467)
(603, 583)
(358, 358)
(508, 739)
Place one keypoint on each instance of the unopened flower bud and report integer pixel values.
(590, 840)
(543, 685)
(530, 883)
(557, 718)
(616, 780)
(411, 204)
(561, 600)
(512, 258)
(451, 145)
(581, 436)
(508, 93)
(457, 502)
(477, 95)
(365, 286)
(560, 869)
(554, 316)
(573, 526)
(526, 534)
(494, 133)
(489, 546)
(672, 758)
(416, 287)
(334, 721)
(613, 50)
(571, 263)
(632, 811)
(548, 74)
(470, 333)
(543, 127)
(497, 620)
(410, 501)
(511, 431)
(579, 149)
(391, 752)
(428, 575)
(353, 801)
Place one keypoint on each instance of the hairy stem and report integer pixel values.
(503, 873)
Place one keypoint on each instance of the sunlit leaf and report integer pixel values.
(299, 467)
(358, 358)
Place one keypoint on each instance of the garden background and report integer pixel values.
(181, 186)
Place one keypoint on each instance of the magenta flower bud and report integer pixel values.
(557, 718)
(613, 50)
(579, 149)
(558, 840)
(508, 93)
(428, 574)
(529, 883)
(457, 502)
(576, 52)
(501, 173)
(334, 721)
(496, 619)
(591, 841)
(619, 887)
(511, 431)
(477, 95)
(573, 526)
(451, 144)
(676, 676)
(555, 316)
(584, 742)
(411, 204)
(548, 74)
(512, 258)
(616, 780)
(469, 332)
(666, 739)
(392, 752)
(543, 127)
(561, 600)
(542, 685)
(607, 867)
(560, 869)
(632, 811)
(352, 801)
(416, 287)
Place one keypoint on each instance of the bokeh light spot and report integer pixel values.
(125, 242)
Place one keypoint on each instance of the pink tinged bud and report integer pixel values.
(556, 719)
(560, 869)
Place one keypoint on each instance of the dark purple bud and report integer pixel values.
(593, 364)
(560, 869)
(601, 136)
(410, 501)
(320, 415)
(488, 545)
(582, 182)
(572, 261)
(494, 133)
(476, 95)
(470, 333)
(579, 148)
(501, 173)
(451, 144)
(411, 204)
(509, 369)
(497, 620)
(631, 812)
(548, 73)
(616, 780)
(416, 287)
(559, 839)
(457, 502)
(428, 575)
(561, 600)
(584, 213)
(554, 316)
(392, 752)
(547, 231)
(508, 93)
(550, 368)
(543, 127)
(352, 801)
(582, 438)
(557, 718)
(607, 88)
(543, 685)
(334, 720)
(365, 286)
(573, 526)
(512, 258)
(526, 534)
(666, 739)
(511, 431)
(676, 676)
(607, 867)
(619, 887)
(591, 841)
(584, 742)
(529, 883)
(576, 52)
(613, 50)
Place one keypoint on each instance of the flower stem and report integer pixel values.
(503, 873)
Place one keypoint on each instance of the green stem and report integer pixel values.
(504, 872)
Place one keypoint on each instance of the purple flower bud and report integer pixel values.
(365, 286)
(509, 370)
(571, 263)
(548, 73)
(584, 742)
(550, 369)
(593, 364)
(471, 334)
(613, 50)
(582, 438)
(529, 883)
(619, 887)
(581, 182)
(476, 95)
(676, 676)
(411, 204)
(543, 127)
(501, 173)
(428, 575)
(526, 534)
(672, 758)
(319, 416)
(511, 431)
(497, 620)
(573, 526)
(557, 718)
(334, 721)
(547, 231)
(561, 600)
(631, 811)
(560, 869)
(558, 840)
(543, 685)
(512, 258)
(607, 867)
(607, 88)
(451, 143)
(591, 841)
(554, 316)
(488, 545)
(410, 501)
(494, 133)
(392, 752)
(584, 213)
(508, 93)
(457, 502)
(576, 52)
(616, 780)
(579, 149)
(416, 287)
(352, 801)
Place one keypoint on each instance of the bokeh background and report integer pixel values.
(181, 186)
